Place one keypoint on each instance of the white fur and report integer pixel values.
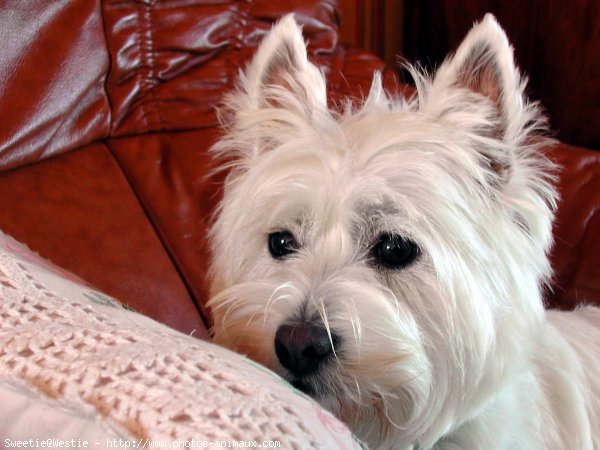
(454, 351)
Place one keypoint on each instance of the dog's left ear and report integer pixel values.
(480, 87)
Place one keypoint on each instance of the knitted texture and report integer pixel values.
(79, 349)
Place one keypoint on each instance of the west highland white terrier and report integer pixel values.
(389, 258)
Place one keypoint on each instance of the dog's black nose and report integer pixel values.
(301, 348)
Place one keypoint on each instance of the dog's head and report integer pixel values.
(384, 258)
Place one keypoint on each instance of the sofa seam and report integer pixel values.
(147, 70)
(159, 235)
(109, 68)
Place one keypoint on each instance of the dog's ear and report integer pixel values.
(482, 81)
(280, 75)
(279, 95)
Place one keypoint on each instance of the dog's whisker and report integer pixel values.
(272, 300)
(384, 399)
(323, 314)
(355, 322)
(358, 390)
(232, 307)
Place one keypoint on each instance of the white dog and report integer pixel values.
(389, 259)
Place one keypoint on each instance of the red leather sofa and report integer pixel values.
(106, 115)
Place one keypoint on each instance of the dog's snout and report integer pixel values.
(301, 348)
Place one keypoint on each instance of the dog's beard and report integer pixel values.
(377, 380)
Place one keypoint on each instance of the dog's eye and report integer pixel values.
(281, 244)
(394, 252)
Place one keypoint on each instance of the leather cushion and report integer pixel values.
(78, 211)
(576, 254)
(171, 62)
(170, 175)
(53, 63)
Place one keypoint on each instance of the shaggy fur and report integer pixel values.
(455, 350)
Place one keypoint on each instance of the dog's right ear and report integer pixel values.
(280, 75)
(279, 95)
